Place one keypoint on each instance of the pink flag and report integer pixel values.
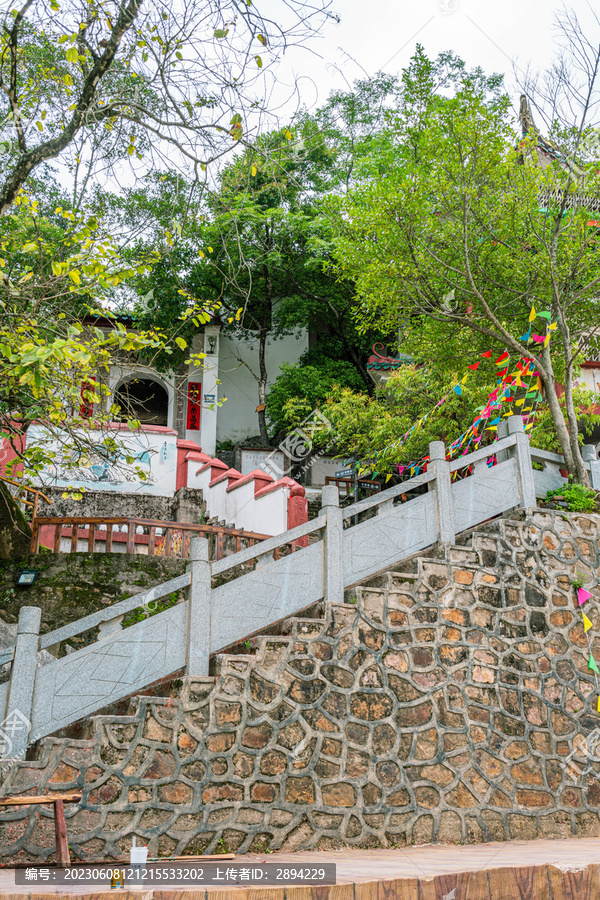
(583, 596)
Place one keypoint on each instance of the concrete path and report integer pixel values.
(531, 870)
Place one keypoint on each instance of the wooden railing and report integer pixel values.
(132, 535)
(24, 489)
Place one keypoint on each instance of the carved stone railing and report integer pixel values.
(232, 598)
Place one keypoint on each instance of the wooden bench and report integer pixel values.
(60, 826)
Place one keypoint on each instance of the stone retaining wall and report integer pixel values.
(442, 705)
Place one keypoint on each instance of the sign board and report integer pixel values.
(345, 473)
(273, 462)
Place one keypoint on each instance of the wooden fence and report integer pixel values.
(132, 535)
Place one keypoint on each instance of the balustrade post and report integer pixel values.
(334, 537)
(502, 455)
(16, 726)
(522, 455)
(199, 608)
(590, 457)
(443, 492)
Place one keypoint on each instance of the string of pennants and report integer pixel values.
(582, 597)
(517, 392)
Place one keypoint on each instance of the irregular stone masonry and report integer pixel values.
(442, 704)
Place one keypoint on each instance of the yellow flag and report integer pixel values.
(532, 314)
(553, 326)
(520, 402)
(546, 339)
(598, 707)
(586, 623)
(518, 382)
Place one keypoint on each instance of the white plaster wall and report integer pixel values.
(154, 452)
(591, 379)
(237, 418)
(239, 507)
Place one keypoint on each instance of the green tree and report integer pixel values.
(97, 81)
(52, 270)
(470, 232)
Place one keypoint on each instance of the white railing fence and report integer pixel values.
(232, 598)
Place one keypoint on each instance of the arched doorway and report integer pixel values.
(143, 399)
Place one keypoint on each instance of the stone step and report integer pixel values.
(463, 556)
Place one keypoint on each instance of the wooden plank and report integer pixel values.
(168, 541)
(91, 538)
(399, 889)
(35, 538)
(268, 893)
(427, 889)
(74, 536)
(341, 892)
(63, 857)
(366, 890)
(238, 543)
(57, 536)
(197, 894)
(220, 545)
(524, 883)
(47, 798)
(186, 540)
(573, 885)
(466, 886)
(109, 535)
(152, 540)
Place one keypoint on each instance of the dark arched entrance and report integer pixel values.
(143, 399)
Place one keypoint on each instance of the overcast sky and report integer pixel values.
(382, 34)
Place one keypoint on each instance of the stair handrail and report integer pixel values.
(484, 452)
(24, 487)
(388, 494)
(114, 611)
(271, 545)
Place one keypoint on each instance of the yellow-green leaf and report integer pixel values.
(72, 55)
(181, 343)
(262, 39)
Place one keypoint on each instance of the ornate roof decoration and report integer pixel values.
(547, 152)
(377, 361)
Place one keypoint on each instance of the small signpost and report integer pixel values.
(350, 472)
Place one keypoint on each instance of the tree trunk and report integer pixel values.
(15, 533)
(265, 325)
(262, 388)
(573, 460)
(579, 471)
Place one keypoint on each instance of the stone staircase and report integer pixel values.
(440, 702)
